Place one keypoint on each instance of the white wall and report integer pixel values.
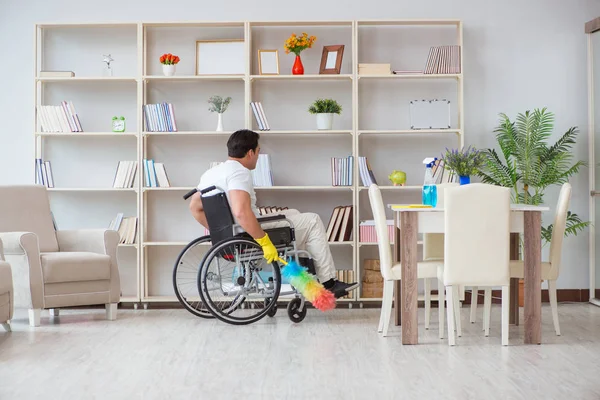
(518, 55)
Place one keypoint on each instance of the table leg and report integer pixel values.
(533, 275)
(409, 306)
(514, 282)
(396, 257)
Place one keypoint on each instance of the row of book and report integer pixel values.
(61, 118)
(262, 175)
(443, 60)
(155, 174)
(441, 174)
(265, 210)
(342, 171)
(346, 276)
(126, 227)
(125, 175)
(367, 232)
(366, 173)
(43, 173)
(160, 117)
(339, 228)
(260, 116)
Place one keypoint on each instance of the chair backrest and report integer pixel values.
(433, 243)
(383, 240)
(477, 231)
(559, 226)
(26, 208)
(219, 217)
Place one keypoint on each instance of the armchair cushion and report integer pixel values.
(75, 267)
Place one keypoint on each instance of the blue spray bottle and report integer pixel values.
(429, 187)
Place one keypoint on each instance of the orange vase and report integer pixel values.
(298, 68)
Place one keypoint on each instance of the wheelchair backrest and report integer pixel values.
(219, 217)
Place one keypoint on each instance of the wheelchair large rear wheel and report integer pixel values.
(235, 272)
(185, 276)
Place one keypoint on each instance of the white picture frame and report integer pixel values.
(221, 57)
(268, 62)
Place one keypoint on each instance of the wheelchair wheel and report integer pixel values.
(294, 312)
(235, 271)
(185, 276)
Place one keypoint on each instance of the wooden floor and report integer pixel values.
(169, 354)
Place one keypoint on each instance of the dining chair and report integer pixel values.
(476, 245)
(393, 272)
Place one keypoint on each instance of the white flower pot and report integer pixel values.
(168, 69)
(324, 121)
(220, 122)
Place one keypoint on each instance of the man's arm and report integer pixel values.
(197, 209)
(242, 211)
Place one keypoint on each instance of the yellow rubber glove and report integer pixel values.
(269, 250)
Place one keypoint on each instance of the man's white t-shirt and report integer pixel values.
(230, 175)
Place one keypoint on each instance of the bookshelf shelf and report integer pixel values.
(300, 154)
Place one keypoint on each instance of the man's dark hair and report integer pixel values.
(240, 142)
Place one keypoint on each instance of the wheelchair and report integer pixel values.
(232, 281)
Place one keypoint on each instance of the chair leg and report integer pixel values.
(457, 307)
(35, 316)
(388, 308)
(487, 310)
(54, 312)
(451, 302)
(505, 313)
(111, 311)
(554, 305)
(474, 298)
(387, 296)
(441, 306)
(427, 302)
(6, 327)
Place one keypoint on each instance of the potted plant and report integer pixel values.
(168, 62)
(324, 109)
(219, 105)
(296, 44)
(464, 163)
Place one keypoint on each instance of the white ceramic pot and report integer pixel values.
(324, 121)
(168, 69)
(220, 122)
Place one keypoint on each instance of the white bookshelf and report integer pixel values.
(374, 123)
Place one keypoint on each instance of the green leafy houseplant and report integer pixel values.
(218, 104)
(325, 106)
(529, 165)
(464, 162)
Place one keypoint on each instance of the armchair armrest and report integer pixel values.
(22, 251)
(102, 241)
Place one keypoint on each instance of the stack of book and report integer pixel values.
(342, 171)
(270, 209)
(160, 117)
(374, 69)
(441, 174)
(443, 60)
(366, 173)
(155, 174)
(368, 234)
(260, 116)
(262, 175)
(43, 173)
(372, 280)
(61, 118)
(340, 224)
(125, 175)
(346, 276)
(127, 228)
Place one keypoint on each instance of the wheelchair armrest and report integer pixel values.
(270, 218)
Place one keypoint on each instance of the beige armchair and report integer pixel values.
(53, 269)
(6, 292)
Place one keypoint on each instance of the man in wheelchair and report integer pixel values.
(235, 178)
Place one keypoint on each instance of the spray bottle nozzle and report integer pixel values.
(430, 161)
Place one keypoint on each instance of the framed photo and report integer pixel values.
(268, 62)
(220, 57)
(331, 59)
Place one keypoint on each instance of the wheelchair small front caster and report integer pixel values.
(293, 310)
(273, 309)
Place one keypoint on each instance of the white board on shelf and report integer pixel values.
(220, 57)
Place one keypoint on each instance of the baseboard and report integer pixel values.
(563, 296)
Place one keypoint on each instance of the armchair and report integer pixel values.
(6, 292)
(53, 269)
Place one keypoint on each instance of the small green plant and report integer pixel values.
(463, 162)
(325, 106)
(218, 104)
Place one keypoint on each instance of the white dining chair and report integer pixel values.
(476, 245)
(393, 272)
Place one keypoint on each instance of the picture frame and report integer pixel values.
(268, 62)
(221, 57)
(331, 59)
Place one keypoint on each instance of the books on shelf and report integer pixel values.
(155, 174)
(43, 173)
(441, 174)
(374, 69)
(443, 60)
(262, 175)
(160, 117)
(126, 227)
(339, 228)
(366, 173)
(342, 171)
(270, 209)
(63, 118)
(260, 116)
(346, 276)
(125, 175)
(367, 232)
(57, 74)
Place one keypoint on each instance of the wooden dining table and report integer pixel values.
(410, 221)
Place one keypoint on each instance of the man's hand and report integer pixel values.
(269, 250)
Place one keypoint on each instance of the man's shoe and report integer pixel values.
(341, 289)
